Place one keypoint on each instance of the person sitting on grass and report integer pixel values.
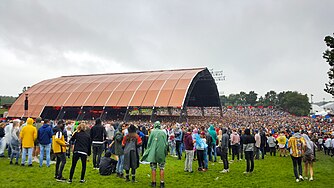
(107, 165)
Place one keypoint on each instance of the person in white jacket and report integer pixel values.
(328, 145)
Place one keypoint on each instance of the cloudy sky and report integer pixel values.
(260, 45)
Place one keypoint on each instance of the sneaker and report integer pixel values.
(11, 162)
(245, 172)
(69, 181)
(311, 179)
(62, 179)
(301, 178)
(22, 164)
(30, 165)
(153, 184)
(297, 180)
(16, 163)
(224, 171)
(82, 181)
(306, 178)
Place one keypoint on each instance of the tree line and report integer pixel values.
(289, 101)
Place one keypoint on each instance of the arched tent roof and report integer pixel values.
(164, 88)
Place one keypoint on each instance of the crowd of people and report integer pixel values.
(243, 133)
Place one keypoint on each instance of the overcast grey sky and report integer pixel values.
(260, 45)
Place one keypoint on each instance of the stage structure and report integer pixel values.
(119, 95)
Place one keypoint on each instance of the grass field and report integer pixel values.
(271, 172)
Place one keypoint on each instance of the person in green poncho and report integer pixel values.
(156, 152)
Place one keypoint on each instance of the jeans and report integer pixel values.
(119, 166)
(178, 149)
(241, 149)
(272, 151)
(200, 158)
(213, 151)
(235, 151)
(297, 161)
(97, 152)
(225, 160)
(257, 153)
(61, 158)
(206, 161)
(15, 147)
(47, 149)
(24, 153)
(172, 150)
(75, 159)
(262, 152)
(2, 146)
(188, 163)
(249, 155)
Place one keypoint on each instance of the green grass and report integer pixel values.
(271, 172)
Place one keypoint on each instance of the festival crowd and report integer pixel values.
(120, 147)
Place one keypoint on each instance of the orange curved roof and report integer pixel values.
(165, 88)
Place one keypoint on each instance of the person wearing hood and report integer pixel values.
(118, 149)
(131, 142)
(224, 145)
(212, 145)
(98, 135)
(156, 152)
(297, 145)
(248, 147)
(28, 136)
(44, 137)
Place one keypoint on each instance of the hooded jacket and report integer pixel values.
(157, 146)
(82, 143)
(188, 141)
(28, 134)
(98, 133)
(225, 140)
(118, 141)
(44, 134)
(213, 134)
(297, 145)
(58, 141)
(248, 141)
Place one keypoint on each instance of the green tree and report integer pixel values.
(270, 99)
(223, 100)
(328, 55)
(294, 103)
(251, 98)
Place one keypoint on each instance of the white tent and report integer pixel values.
(329, 106)
(317, 110)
